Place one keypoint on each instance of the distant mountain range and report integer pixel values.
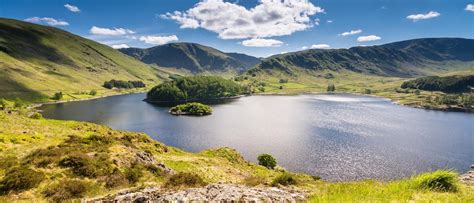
(400, 59)
(36, 61)
(193, 57)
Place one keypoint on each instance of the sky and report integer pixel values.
(256, 27)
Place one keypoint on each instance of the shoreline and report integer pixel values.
(38, 105)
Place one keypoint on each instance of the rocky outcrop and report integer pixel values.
(213, 193)
(468, 178)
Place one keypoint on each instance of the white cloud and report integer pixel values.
(320, 46)
(421, 16)
(352, 32)
(329, 21)
(368, 38)
(268, 18)
(304, 47)
(106, 31)
(72, 8)
(159, 40)
(49, 21)
(256, 42)
(469, 7)
(120, 46)
(316, 21)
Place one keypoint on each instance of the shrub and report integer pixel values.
(134, 173)
(93, 92)
(440, 180)
(283, 81)
(18, 103)
(85, 166)
(267, 160)
(36, 115)
(367, 91)
(115, 179)
(184, 179)
(3, 104)
(331, 88)
(285, 180)
(65, 190)
(19, 179)
(57, 96)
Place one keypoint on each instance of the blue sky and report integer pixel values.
(259, 28)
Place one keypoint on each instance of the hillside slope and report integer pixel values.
(193, 57)
(36, 61)
(400, 59)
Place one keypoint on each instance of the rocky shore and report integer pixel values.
(213, 193)
(468, 178)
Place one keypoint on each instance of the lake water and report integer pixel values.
(338, 137)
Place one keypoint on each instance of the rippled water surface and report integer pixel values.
(338, 137)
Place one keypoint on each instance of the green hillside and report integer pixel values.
(400, 59)
(36, 61)
(193, 57)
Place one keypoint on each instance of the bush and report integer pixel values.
(285, 180)
(19, 179)
(85, 166)
(3, 104)
(267, 160)
(65, 190)
(368, 91)
(18, 103)
(115, 179)
(57, 96)
(283, 81)
(331, 88)
(134, 173)
(93, 92)
(36, 115)
(440, 180)
(185, 179)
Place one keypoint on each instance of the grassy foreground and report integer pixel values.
(43, 160)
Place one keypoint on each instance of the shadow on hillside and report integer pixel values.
(10, 90)
(25, 43)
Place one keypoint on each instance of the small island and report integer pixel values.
(193, 109)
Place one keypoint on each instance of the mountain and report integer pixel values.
(36, 61)
(193, 57)
(400, 59)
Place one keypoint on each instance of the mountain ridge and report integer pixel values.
(193, 57)
(400, 59)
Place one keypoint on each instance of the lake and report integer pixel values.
(337, 137)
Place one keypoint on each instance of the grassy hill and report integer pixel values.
(36, 61)
(193, 57)
(400, 59)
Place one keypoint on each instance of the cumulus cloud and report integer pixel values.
(320, 46)
(368, 38)
(304, 47)
(352, 32)
(120, 46)
(421, 16)
(72, 8)
(158, 40)
(261, 43)
(316, 21)
(268, 18)
(107, 31)
(47, 20)
(469, 7)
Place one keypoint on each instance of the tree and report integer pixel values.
(368, 91)
(57, 96)
(331, 88)
(267, 160)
